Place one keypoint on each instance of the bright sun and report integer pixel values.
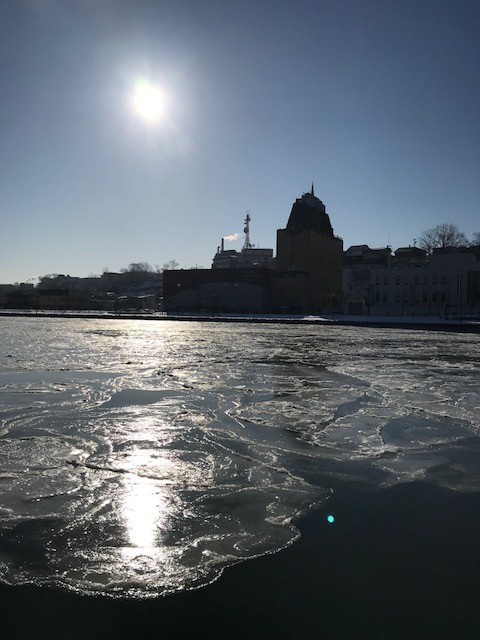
(149, 101)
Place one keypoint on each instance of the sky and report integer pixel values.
(376, 102)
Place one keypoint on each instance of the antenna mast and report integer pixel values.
(247, 244)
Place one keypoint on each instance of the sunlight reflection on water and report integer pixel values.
(144, 512)
(140, 458)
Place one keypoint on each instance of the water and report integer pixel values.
(139, 458)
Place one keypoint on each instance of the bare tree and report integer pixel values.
(171, 265)
(442, 235)
(476, 239)
(138, 267)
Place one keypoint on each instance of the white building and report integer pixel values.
(447, 284)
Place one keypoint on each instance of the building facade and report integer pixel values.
(359, 262)
(228, 290)
(308, 276)
(446, 284)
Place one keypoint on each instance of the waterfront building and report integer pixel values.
(446, 283)
(308, 276)
(249, 256)
(359, 261)
(226, 290)
(238, 282)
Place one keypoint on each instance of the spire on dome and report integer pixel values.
(312, 189)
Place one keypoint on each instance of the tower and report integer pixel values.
(309, 259)
(246, 231)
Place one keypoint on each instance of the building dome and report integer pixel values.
(308, 212)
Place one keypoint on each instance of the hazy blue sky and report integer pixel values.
(376, 101)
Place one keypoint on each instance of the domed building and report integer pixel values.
(306, 277)
(309, 260)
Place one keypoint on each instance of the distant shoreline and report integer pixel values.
(413, 323)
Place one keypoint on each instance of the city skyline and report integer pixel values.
(375, 103)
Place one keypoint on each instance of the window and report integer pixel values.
(385, 279)
(443, 278)
(405, 280)
(417, 279)
(459, 284)
(435, 278)
(397, 279)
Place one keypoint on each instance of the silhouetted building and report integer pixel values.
(16, 298)
(359, 262)
(249, 256)
(412, 256)
(5, 289)
(232, 259)
(60, 299)
(309, 260)
(362, 254)
(307, 277)
(217, 290)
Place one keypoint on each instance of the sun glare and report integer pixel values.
(149, 101)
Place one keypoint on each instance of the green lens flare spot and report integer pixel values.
(330, 519)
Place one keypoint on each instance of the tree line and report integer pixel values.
(145, 267)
